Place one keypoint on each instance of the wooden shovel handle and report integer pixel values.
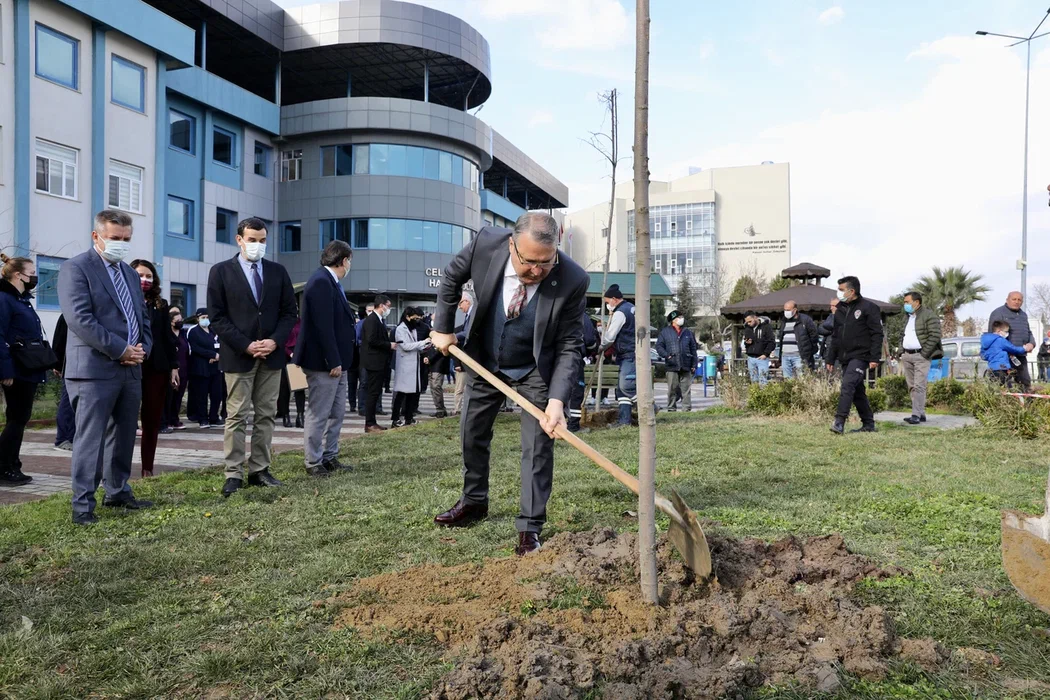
(595, 456)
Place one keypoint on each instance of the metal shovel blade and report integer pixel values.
(688, 537)
(1026, 554)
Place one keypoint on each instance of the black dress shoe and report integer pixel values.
(231, 486)
(838, 427)
(527, 542)
(14, 477)
(922, 418)
(286, 421)
(263, 478)
(334, 465)
(298, 421)
(865, 429)
(84, 518)
(381, 412)
(462, 514)
(441, 414)
(913, 420)
(318, 472)
(127, 503)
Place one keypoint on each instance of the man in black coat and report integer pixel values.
(857, 346)
(677, 347)
(375, 356)
(527, 327)
(65, 421)
(797, 343)
(590, 344)
(252, 308)
(325, 352)
(205, 377)
(760, 342)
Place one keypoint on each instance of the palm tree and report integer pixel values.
(949, 288)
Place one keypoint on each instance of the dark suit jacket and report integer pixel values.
(164, 356)
(326, 335)
(375, 344)
(558, 338)
(239, 321)
(202, 349)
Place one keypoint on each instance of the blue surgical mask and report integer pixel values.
(909, 309)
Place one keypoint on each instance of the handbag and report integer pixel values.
(33, 355)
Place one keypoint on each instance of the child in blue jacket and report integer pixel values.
(996, 350)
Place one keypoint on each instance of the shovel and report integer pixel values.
(1026, 553)
(685, 531)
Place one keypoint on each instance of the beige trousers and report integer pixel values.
(255, 390)
(916, 370)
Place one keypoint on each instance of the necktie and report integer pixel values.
(257, 283)
(124, 294)
(517, 302)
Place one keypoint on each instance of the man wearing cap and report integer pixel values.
(677, 347)
(620, 336)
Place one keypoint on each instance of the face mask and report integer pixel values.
(31, 284)
(610, 307)
(1004, 334)
(789, 314)
(841, 295)
(909, 309)
(204, 323)
(385, 313)
(115, 251)
(178, 325)
(253, 252)
(145, 284)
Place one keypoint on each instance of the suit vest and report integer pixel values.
(508, 343)
(625, 338)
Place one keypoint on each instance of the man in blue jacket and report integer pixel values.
(325, 352)
(677, 347)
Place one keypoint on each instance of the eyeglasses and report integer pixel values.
(545, 265)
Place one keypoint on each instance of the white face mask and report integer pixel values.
(1004, 334)
(253, 251)
(115, 251)
(841, 295)
(610, 307)
(789, 314)
(385, 313)
(680, 321)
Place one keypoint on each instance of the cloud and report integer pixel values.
(706, 50)
(540, 117)
(832, 15)
(886, 193)
(569, 24)
(773, 57)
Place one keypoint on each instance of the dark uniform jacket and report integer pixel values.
(858, 332)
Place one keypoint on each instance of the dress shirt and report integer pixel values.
(246, 267)
(114, 269)
(510, 285)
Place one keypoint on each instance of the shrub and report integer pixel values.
(809, 395)
(947, 393)
(985, 400)
(733, 390)
(895, 387)
(879, 399)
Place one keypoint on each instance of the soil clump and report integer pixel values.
(568, 620)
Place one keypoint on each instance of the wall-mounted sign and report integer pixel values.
(434, 275)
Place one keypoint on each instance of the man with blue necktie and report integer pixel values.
(252, 309)
(109, 338)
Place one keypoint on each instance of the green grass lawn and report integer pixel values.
(202, 597)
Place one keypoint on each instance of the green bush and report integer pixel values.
(946, 393)
(878, 398)
(809, 395)
(985, 400)
(895, 388)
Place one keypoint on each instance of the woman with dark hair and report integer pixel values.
(173, 403)
(161, 368)
(407, 382)
(18, 323)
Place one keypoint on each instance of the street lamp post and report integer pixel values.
(1027, 41)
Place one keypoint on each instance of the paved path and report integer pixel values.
(940, 422)
(194, 448)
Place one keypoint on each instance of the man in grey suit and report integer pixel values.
(109, 337)
(527, 328)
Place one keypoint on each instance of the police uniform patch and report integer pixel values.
(856, 314)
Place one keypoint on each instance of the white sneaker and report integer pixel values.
(66, 446)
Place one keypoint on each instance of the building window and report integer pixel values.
(183, 131)
(57, 57)
(291, 165)
(262, 160)
(125, 187)
(184, 297)
(128, 84)
(56, 169)
(225, 225)
(605, 232)
(657, 264)
(47, 281)
(688, 224)
(335, 230)
(291, 237)
(336, 160)
(222, 149)
(361, 160)
(674, 227)
(180, 217)
(656, 228)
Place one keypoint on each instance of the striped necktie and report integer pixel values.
(517, 302)
(124, 294)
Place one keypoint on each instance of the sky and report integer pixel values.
(904, 130)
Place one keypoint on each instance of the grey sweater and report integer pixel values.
(1020, 331)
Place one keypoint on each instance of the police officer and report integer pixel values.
(857, 346)
(590, 344)
(620, 335)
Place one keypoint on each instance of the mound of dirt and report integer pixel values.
(568, 619)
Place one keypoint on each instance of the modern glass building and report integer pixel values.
(348, 120)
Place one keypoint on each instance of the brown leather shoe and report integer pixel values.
(462, 514)
(527, 542)
(375, 429)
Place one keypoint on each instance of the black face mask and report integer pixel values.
(412, 323)
(178, 325)
(31, 284)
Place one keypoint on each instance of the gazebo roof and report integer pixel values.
(809, 298)
(804, 271)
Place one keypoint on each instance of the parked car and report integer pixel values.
(962, 359)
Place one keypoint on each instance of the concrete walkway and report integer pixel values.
(932, 421)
